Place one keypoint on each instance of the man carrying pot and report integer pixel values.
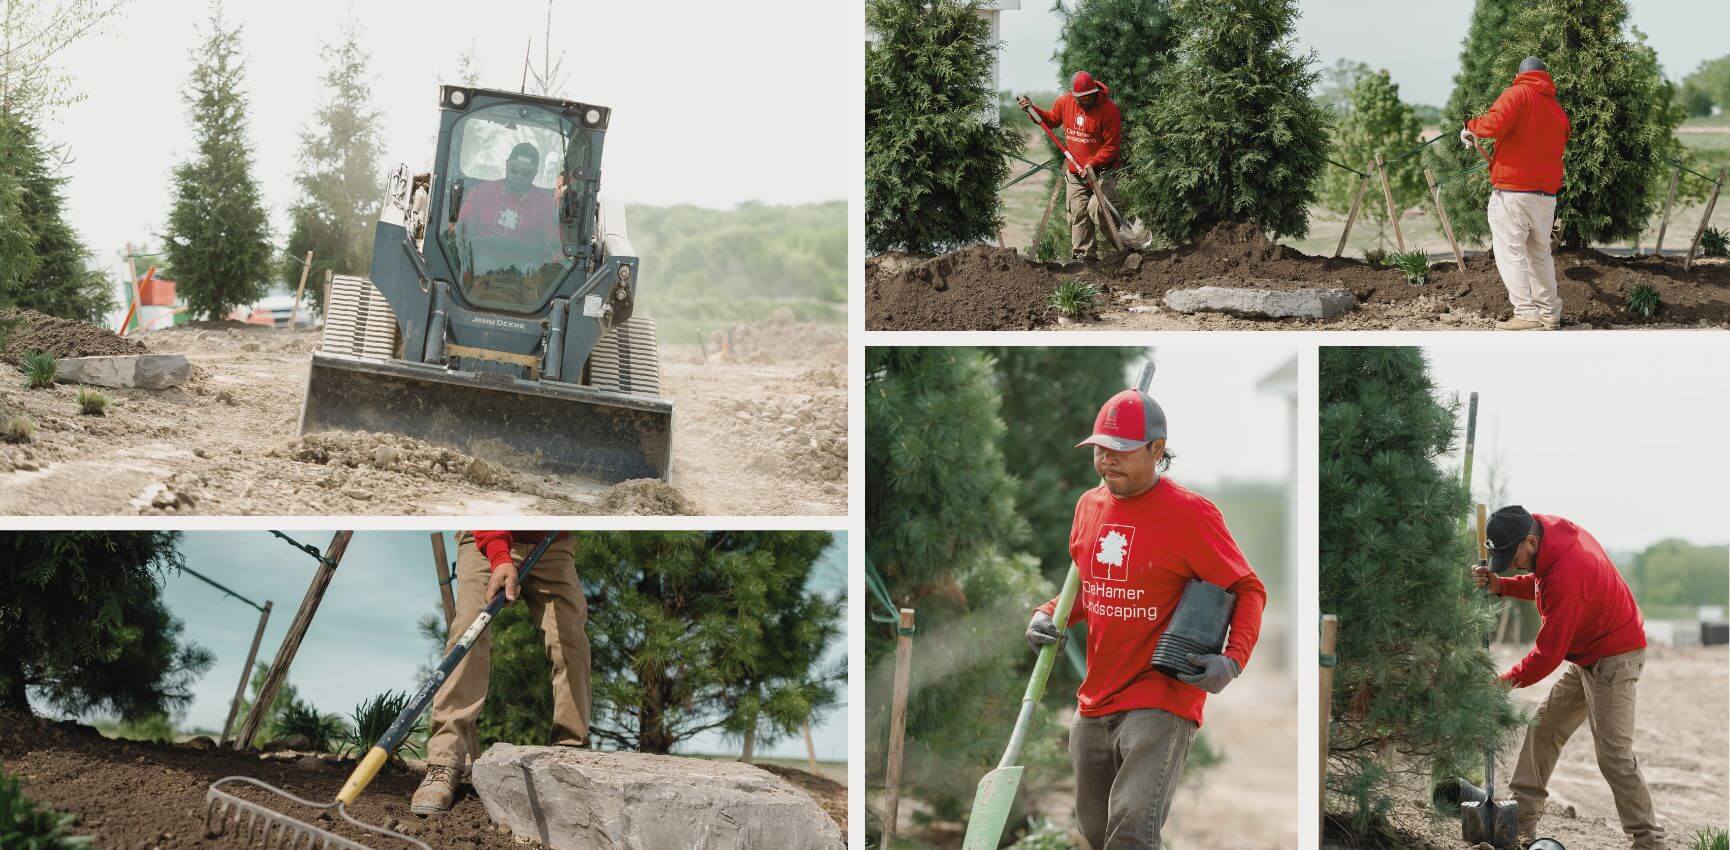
(1591, 624)
(1138, 539)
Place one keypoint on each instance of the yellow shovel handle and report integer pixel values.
(363, 774)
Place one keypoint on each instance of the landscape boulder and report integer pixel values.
(1263, 303)
(572, 799)
(141, 371)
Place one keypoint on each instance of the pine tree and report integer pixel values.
(83, 627)
(933, 161)
(286, 695)
(1481, 77)
(60, 281)
(1233, 136)
(339, 179)
(1378, 122)
(18, 259)
(1413, 677)
(218, 236)
(1124, 43)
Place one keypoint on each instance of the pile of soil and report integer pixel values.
(62, 338)
(778, 338)
(642, 497)
(985, 288)
(830, 795)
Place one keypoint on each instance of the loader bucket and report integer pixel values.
(543, 427)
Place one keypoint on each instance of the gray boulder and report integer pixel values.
(141, 371)
(570, 799)
(1263, 303)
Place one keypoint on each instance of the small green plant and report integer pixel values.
(1042, 834)
(38, 370)
(1415, 265)
(1714, 243)
(28, 825)
(18, 428)
(1643, 300)
(1710, 839)
(91, 402)
(319, 730)
(1376, 256)
(370, 720)
(1073, 298)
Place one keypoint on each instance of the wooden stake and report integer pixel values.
(291, 641)
(1388, 195)
(300, 290)
(897, 727)
(1664, 220)
(1050, 204)
(1325, 694)
(810, 748)
(1357, 198)
(1705, 218)
(443, 567)
(245, 674)
(1442, 213)
(329, 278)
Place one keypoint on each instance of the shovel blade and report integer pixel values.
(1490, 822)
(992, 804)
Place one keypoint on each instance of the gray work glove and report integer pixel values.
(1217, 672)
(1042, 632)
(1467, 138)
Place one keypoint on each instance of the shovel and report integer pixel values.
(258, 824)
(996, 795)
(1119, 236)
(1487, 820)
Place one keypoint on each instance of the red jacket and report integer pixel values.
(491, 210)
(1093, 136)
(1533, 131)
(1587, 609)
(496, 545)
(1135, 556)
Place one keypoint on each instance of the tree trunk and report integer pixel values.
(750, 743)
(14, 695)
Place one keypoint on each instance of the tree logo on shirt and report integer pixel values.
(1111, 552)
(1080, 120)
(508, 218)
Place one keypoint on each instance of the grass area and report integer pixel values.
(1707, 121)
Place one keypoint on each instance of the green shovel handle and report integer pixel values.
(1048, 652)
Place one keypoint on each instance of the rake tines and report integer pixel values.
(258, 826)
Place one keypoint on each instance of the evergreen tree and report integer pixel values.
(58, 280)
(83, 627)
(218, 237)
(1378, 122)
(933, 160)
(18, 259)
(1234, 136)
(1476, 85)
(286, 695)
(1413, 678)
(1337, 81)
(1124, 43)
(339, 179)
(1706, 87)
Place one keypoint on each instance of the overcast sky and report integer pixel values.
(714, 103)
(1417, 42)
(1603, 435)
(1221, 426)
(364, 639)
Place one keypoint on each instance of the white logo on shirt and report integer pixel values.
(508, 218)
(1080, 120)
(1111, 552)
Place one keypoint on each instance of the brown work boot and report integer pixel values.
(437, 792)
(1552, 325)
(1518, 324)
(1527, 830)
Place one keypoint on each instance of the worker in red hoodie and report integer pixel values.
(1138, 539)
(1590, 622)
(1093, 132)
(1531, 131)
(487, 563)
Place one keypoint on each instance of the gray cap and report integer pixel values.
(1532, 63)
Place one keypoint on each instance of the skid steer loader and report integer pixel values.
(498, 316)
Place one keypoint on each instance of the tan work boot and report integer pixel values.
(1552, 325)
(437, 792)
(1527, 830)
(1518, 324)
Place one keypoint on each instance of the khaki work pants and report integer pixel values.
(1602, 695)
(1520, 224)
(556, 603)
(1126, 770)
(1088, 220)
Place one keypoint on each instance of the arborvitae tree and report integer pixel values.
(18, 259)
(1233, 135)
(942, 527)
(1124, 43)
(218, 239)
(339, 179)
(61, 282)
(933, 161)
(1476, 85)
(83, 627)
(1378, 122)
(1413, 682)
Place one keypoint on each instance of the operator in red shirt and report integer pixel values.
(487, 563)
(1093, 132)
(507, 233)
(1590, 623)
(1138, 539)
(1531, 130)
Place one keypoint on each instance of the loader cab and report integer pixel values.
(512, 208)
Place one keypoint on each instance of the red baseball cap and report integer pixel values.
(1082, 84)
(1130, 420)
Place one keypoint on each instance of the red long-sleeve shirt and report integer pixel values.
(1532, 130)
(1094, 136)
(1135, 556)
(1587, 609)
(496, 545)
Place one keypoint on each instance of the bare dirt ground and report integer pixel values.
(1682, 739)
(758, 431)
